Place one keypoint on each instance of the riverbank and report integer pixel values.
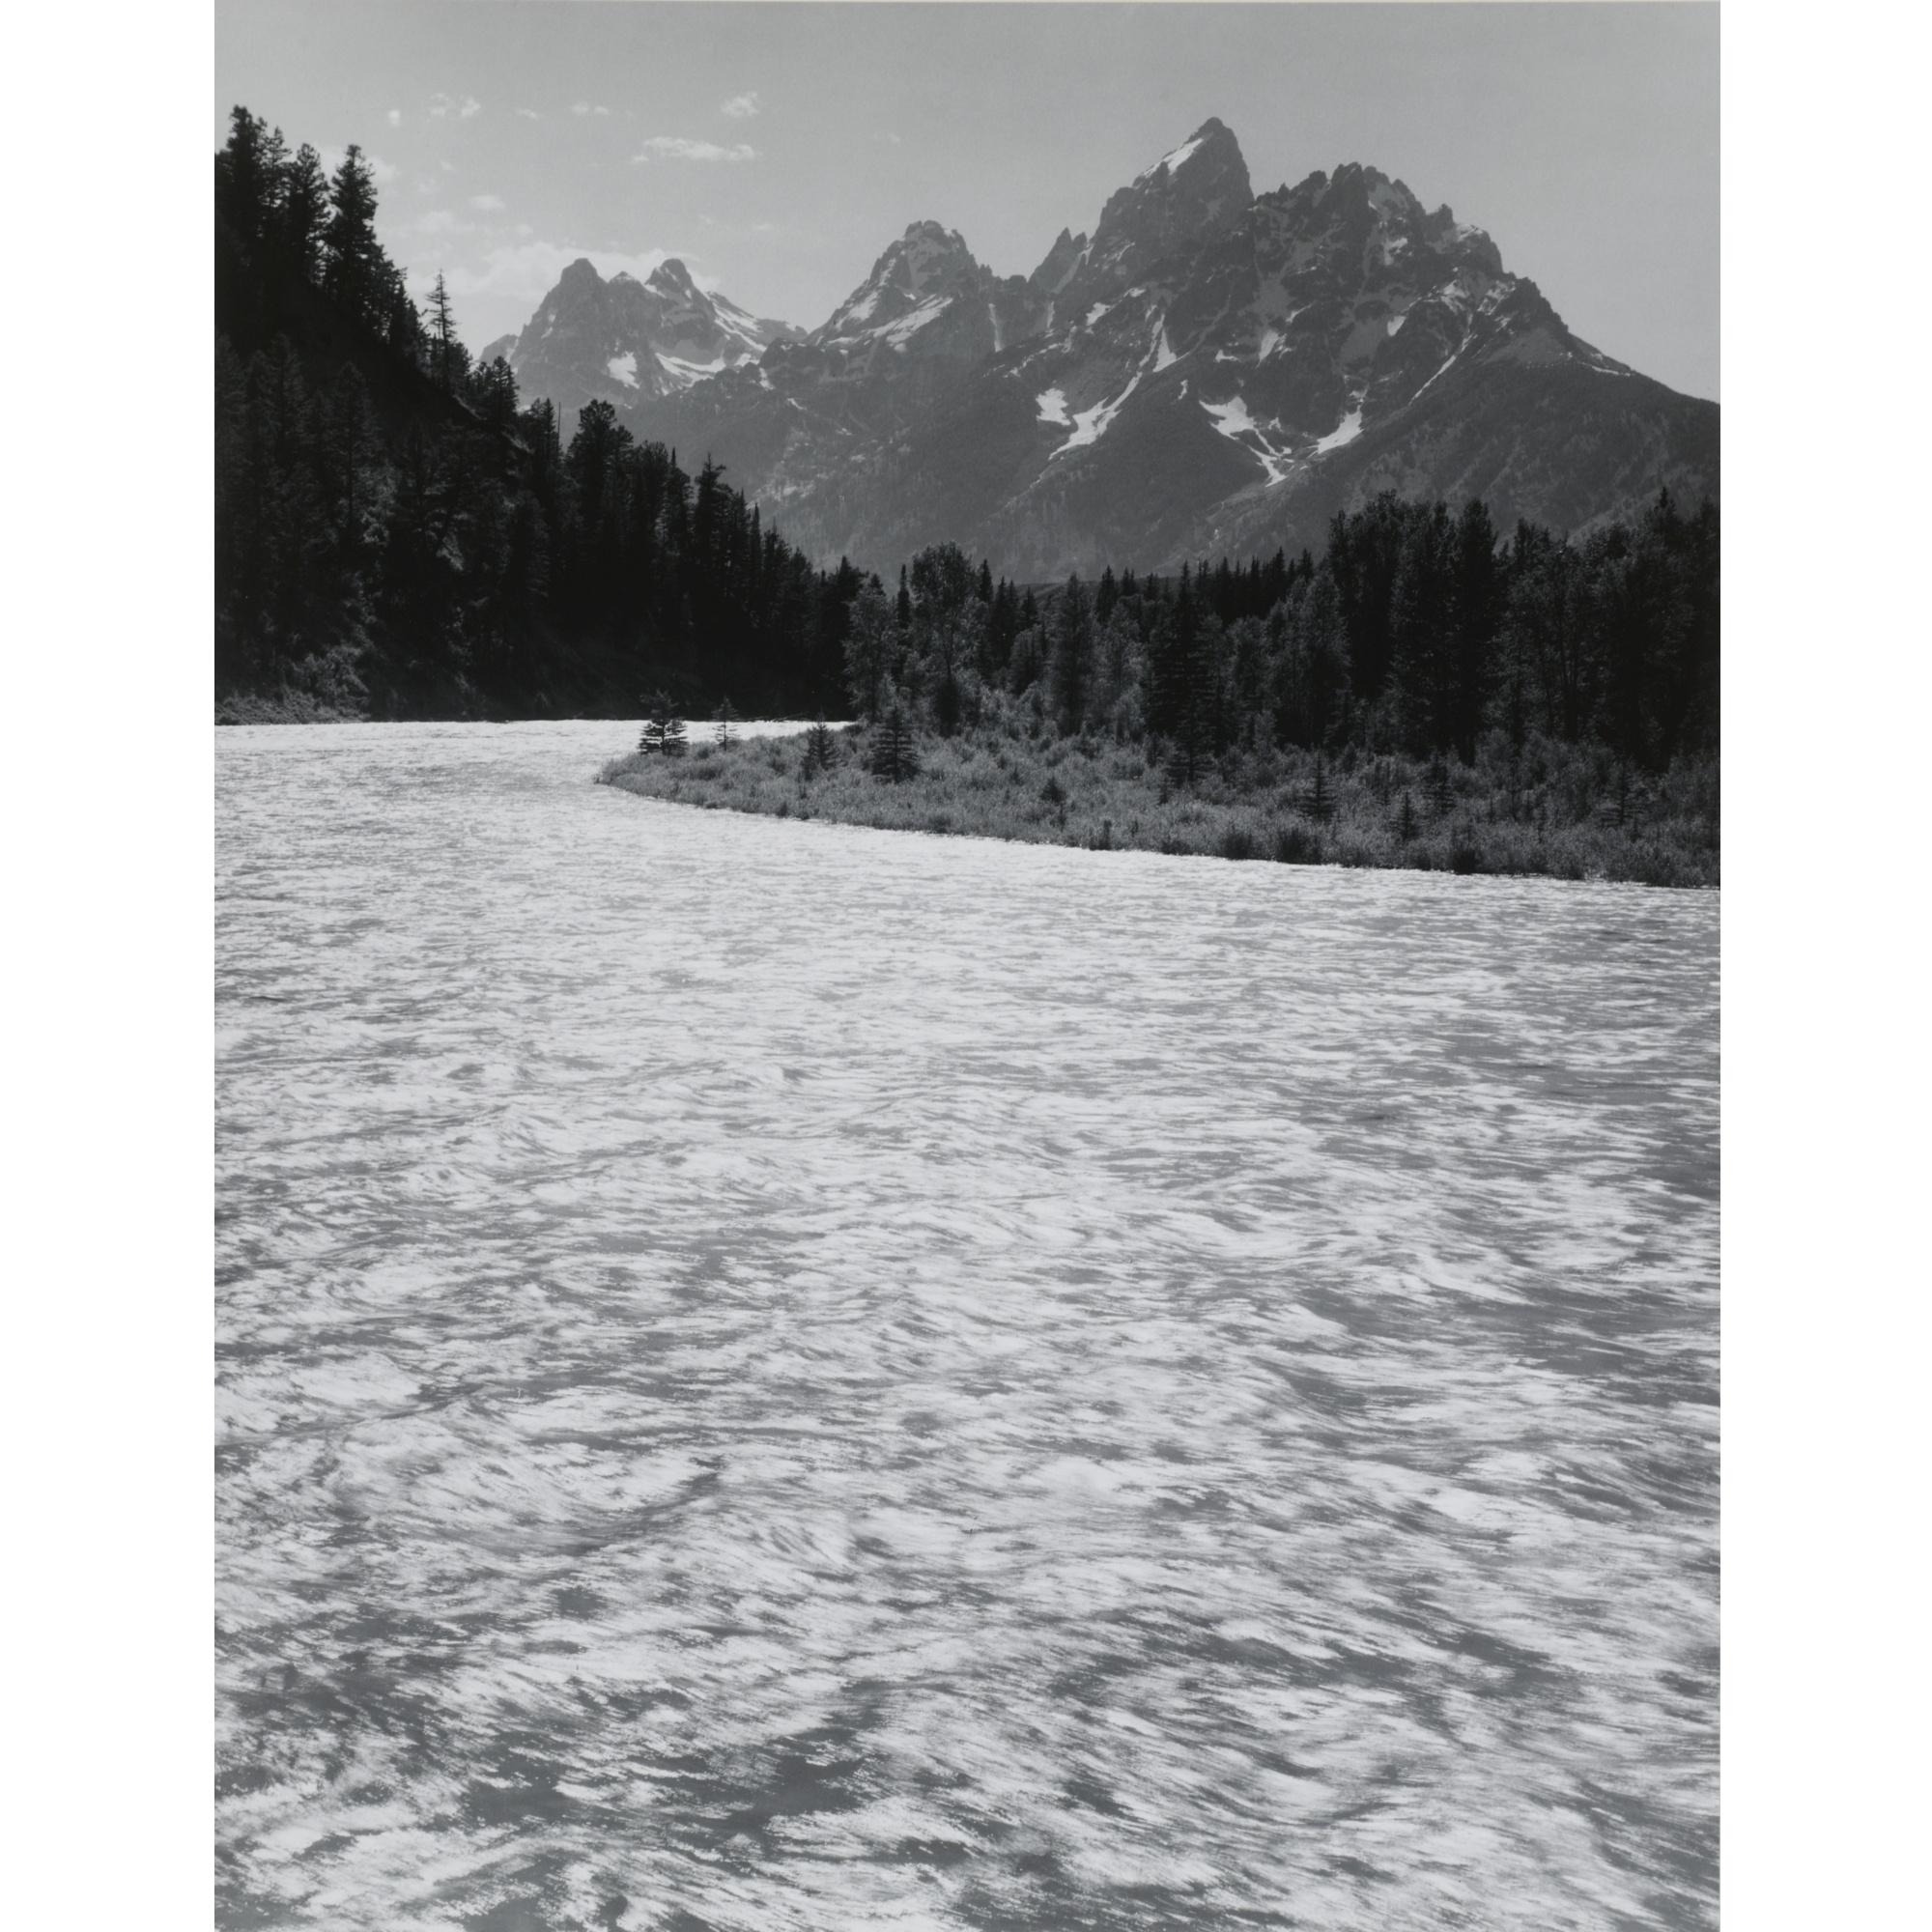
(1551, 810)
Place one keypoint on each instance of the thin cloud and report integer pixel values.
(742, 106)
(442, 105)
(529, 114)
(675, 148)
(395, 117)
(487, 204)
(585, 108)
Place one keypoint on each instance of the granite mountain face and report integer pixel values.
(626, 341)
(1212, 370)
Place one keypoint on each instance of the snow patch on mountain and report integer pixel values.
(1169, 161)
(1052, 406)
(898, 333)
(685, 372)
(1344, 432)
(1233, 420)
(1090, 425)
(625, 368)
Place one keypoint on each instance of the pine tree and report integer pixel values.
(242, 189)
(1321, 794)
(724, 718)
(305, 210)
(351, 251)
(1405, 824)
(1438, 788)
(1073, 662)
(1106, 596)
(893, 756)
(821, 749)
(664, 730)
(442, 333)
(1477, 605)
(1184, 681)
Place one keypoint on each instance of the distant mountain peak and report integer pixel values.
(1213, 369)
(1211, 146)
(624, 340)
(927, 254)
(1062, 260)
(670, 273)
(1191, 194)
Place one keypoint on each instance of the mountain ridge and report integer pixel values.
(622, 339)
(1211, 367)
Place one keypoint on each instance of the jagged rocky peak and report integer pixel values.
(1360, 204)
(916, 277)
(1190, 195)
(1056, 270)
(625, 340)
(673, 278)
(925, 259)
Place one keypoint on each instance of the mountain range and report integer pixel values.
(1211, 370)
(629, 341)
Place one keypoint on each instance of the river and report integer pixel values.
(777, 1375)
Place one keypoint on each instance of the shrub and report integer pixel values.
(1297, 844)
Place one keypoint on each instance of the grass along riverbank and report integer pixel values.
(1557, 811)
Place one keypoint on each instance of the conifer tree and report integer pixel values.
(1071, 666)
(893, 756)
(304, 213)
(724, 718)
(442, 333)
(1321, 794)
(821, 751)
(351, 251)
(1438, 788)
(665, 733)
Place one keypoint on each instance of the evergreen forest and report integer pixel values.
(397, 534)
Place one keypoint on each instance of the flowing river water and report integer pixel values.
(774, 1374)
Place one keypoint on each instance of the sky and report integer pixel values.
(778, 148)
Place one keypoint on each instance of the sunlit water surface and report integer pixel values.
(775, 1375)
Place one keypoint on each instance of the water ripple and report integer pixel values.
(778, 1376)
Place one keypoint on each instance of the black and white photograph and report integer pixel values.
(955, 1004)
(967, 839)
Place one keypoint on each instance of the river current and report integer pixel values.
(774, 1375)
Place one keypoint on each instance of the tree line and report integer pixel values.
(394, 528)
(387, 512)
(1417, 629)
